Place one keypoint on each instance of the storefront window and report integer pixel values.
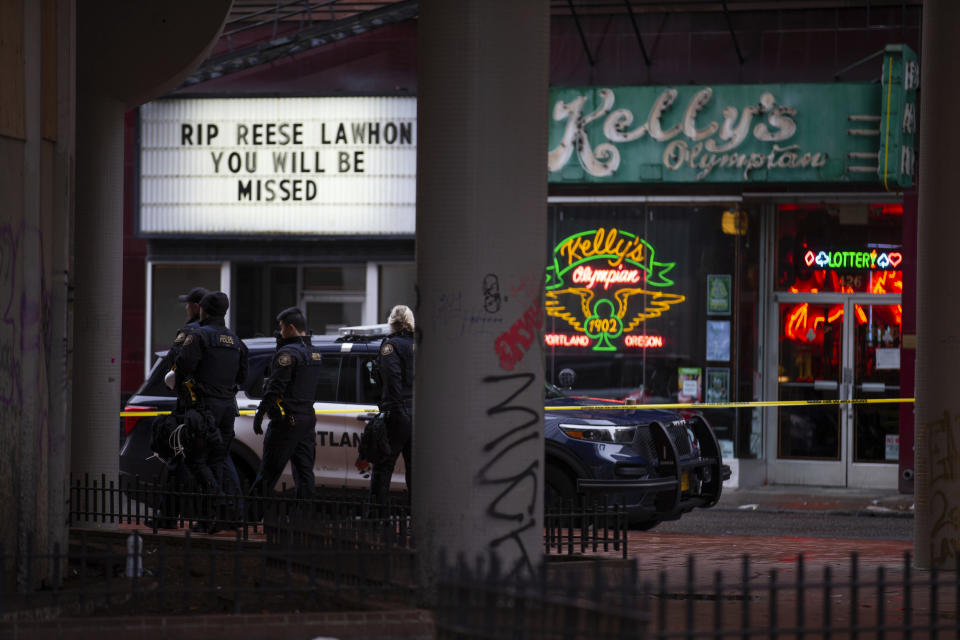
(655, 304)
(339, 278)
(330, 297)
(260, 293)
(397, 286)
(848, 248)
(169, 282)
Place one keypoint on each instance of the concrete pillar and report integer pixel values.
(97, 277)
(481, 257)
(127, 53)
(36, 160)
(937, 528)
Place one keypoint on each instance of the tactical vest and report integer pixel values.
(216, 375)
(301, 391)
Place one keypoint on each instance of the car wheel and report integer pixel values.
(560, 490)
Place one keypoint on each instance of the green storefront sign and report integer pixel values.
(837, 132)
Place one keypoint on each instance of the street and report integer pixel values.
(812, 524)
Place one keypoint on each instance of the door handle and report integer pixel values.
(825, 385)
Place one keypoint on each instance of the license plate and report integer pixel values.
(684, 482)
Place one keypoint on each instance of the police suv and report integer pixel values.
(656, 463)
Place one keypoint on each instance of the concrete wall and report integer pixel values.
(36, 160)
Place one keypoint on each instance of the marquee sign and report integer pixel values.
(300, 166)
(837, 132)
(603, 283)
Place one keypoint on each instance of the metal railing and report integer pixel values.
(327, 554)
(603, 601)
(187, 574)
(589, 528)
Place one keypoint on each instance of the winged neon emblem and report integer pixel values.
(616, 297)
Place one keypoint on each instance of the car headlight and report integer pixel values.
(599, 433)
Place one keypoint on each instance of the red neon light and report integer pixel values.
(565, 340)
(796, 322)
(835, 315)
(888, 282)
(861, 314)
(888, 209)
(586, 274)
(643, 342)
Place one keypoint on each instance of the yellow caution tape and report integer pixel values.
(606, 407)
(729, 405)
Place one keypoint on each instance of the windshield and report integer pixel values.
(154, 386)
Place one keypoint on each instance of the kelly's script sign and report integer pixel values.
(835, 132)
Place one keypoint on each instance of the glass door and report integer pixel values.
(810, 447)
(876, 332)
(837, 347)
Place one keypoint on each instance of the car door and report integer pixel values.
(333, 450)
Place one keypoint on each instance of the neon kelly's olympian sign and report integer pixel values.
(889, 260)
(835, 132)
(604, 283)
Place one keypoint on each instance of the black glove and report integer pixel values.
(275, 411)
(258, 420)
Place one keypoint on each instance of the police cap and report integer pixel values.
(293, 316)
(195, 295)
(215, 303)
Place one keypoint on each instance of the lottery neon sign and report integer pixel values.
(604, 283)
(853, 259)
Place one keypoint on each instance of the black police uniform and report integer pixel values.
(170, 358)
(288, 401)
(178, 476)
(213, 362)
(395, 363)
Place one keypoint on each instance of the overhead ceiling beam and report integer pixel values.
(303, 40)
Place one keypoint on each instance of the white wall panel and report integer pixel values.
(204, 171)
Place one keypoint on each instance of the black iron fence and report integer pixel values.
(573, 529)
(132, 574)
(603, 601)
(332, 553)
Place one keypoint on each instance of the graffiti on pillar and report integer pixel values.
(515, 342)
(491, 293)
(505, 466)
(945, 530)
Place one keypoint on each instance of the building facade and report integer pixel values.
(731, 215)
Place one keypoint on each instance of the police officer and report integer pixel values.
(211, 364)
(191, 308)
(395, 364)
(177, 473)
(288, 401)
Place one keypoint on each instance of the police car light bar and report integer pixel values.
(366, 330)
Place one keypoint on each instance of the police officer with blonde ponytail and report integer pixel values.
(395, 364)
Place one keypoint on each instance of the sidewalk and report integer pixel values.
(790, 498)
